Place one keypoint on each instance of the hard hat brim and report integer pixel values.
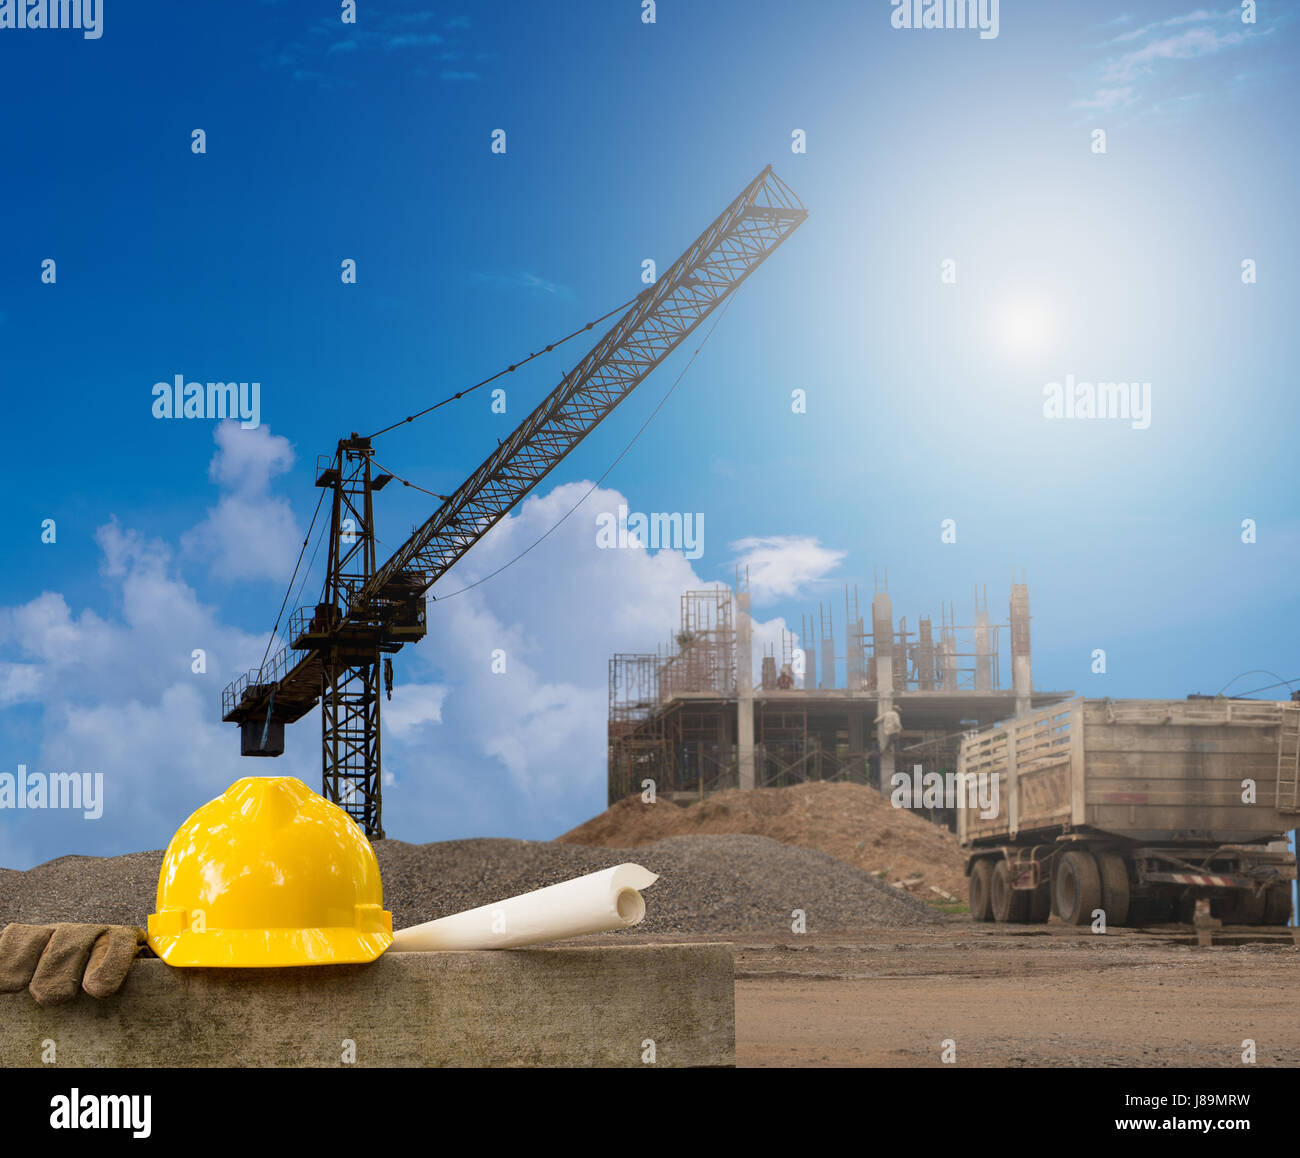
(268, 948)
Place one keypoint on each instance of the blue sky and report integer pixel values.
(371, 142)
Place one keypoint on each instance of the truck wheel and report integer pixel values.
(981, 873)
(1040, 904)
(1245, 907)
(1078, 888)
(1277, 905)
(1114, 887)
(1008, 905)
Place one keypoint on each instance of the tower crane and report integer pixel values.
(337, 649)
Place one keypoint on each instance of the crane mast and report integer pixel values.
(368, 612)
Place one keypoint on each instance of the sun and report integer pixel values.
(1024, 326)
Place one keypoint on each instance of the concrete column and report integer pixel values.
(1021, 672)
(925, 654)
(744, 691)
(885, 689)
(948, 659)
(855, 650)
(983, 653)
(828, 651)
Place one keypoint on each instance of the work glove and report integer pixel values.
(54, 962)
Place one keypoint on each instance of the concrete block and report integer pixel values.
(561, 1006)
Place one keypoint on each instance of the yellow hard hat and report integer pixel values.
(268, 874)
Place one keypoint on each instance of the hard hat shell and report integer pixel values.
(269, 874)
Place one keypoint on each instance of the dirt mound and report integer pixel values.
(850, 822)
(717, 884)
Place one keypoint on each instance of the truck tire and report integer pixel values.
(981, 874)
(1008, 905)
(1040, 904)
(1244, 907)
(1077, 887)
(1114, 887)
(1277, 904)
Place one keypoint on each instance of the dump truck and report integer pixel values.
(1136, 808)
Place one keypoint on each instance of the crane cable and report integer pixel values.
(508, 370)
(631, 442)
(408, 483)
(289, 590)
(320, 535)
(434, 494)
(1255, 671)
(1267, 687)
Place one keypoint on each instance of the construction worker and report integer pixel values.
(889, 724)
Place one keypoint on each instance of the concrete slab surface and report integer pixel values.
(558, 1006)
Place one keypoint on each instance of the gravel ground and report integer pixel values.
(709, 884)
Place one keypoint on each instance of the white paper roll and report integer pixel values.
(597, 903)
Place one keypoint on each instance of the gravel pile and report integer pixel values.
(851, 822)
(709, 884)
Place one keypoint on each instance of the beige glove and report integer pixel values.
(54, 962)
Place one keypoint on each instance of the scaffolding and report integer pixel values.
(703, 658)
(675, 714)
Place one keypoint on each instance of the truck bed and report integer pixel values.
(1144, 770)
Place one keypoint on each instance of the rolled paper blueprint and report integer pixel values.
(596, 903)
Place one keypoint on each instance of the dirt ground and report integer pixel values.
(1016, 996)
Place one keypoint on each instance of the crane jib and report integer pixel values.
(719, 260)
(764, 214)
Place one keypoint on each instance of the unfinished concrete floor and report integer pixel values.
(1016, 996)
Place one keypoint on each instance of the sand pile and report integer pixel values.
(719, 884)
(850, 822)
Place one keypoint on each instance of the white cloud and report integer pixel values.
(782, 566)
(19, 683)
(1106, 100)
(1185, 46)
(249, 534)
(529, 282)
(467, 751)
(1199, 15)
(119, 697)
(247, 460)
(413, 706)
(140, 650)
(1130, 78)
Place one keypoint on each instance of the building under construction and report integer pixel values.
(691, 718)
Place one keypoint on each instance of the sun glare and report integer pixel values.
(1023, 327)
